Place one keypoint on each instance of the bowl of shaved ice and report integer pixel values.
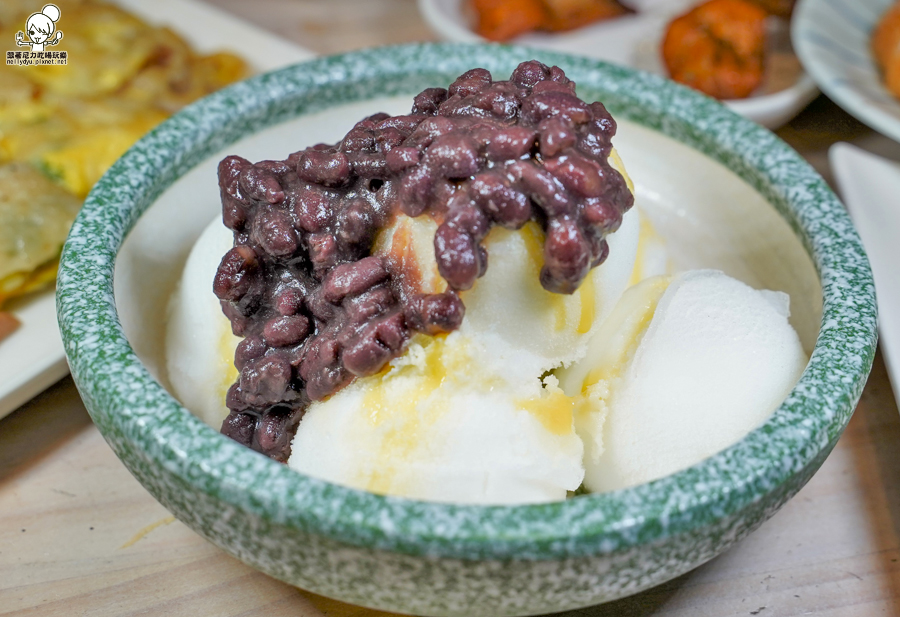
(451, 329)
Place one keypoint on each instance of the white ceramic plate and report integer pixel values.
(633, 40)
(869, 185)
(832, 39)
(32, 358)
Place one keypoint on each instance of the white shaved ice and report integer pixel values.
(199, 342)
(716, 360)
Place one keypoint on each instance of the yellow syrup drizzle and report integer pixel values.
(630, 319)
(227, 344)
(588, 309)
(533, 237)
(646, 236)
(618, 165)
(402, 407)
(555, 411)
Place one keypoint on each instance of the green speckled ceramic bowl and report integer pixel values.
(426, 558)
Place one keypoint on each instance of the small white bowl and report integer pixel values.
(633, 41)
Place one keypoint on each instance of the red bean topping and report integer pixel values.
(317, 308)
(274, 232)
(549, 104)
(356, 222)
(466, 216)
(289, 301)
(250, 348)
(265, 381)
(600, 255)
(427, 101)
(388, 138)
(458, 260)
(359, 139)
(354, 278)
(285, 330)
(235, 312)
(241, 427)
(314, 208)
(470, 82)
(376, 301)
(235, 274)
(375, 346)
(368, 165)
(407, 124)
(529, 74)
(323, 251)
(510, 143)
(271, 436)
(567, 256)
(325, 168)
(555, 136)
(544, 190)
(506, 206)
(234, 213)
(320, 368)
(399, 159)
(453, 156)
(428, 130)
(578, 174)
(436, 313)
(415, 191)
(260, 183)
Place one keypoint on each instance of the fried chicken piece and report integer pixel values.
(571, 14)
(718, 48)
(778, 8)
(501, 20)
(8, 324)
(886, 48)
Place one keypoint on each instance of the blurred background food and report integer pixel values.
(718, 47)
(728, 49)
(886, 48)
(61, 127)
(501, 20)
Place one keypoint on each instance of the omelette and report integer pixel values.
(61, 127)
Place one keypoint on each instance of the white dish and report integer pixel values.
(633, 40)
(869, 185)
(832, 40)
(32, 358)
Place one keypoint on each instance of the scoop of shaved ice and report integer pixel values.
(715, 361)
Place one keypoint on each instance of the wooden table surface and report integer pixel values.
(79, 536)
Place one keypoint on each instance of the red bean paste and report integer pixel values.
(317, 308)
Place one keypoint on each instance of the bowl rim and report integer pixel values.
(143, 421)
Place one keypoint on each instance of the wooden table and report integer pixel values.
(79, 536)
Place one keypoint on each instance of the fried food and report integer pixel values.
(502, 20)
(886, 48)
(36, 215)
(571, 14)
(779, 8)
(61, 127)
(8, 324)
(718, 48)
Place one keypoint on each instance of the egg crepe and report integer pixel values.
(62, 126)
(36, 215)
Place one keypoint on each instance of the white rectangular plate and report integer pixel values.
(32, 358)
(869, 185)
